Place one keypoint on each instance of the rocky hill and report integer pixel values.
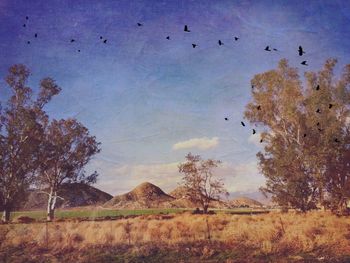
(182, 200)
(146, 195)
(245, 202)
(75, 194)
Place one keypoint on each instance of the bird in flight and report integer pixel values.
(72, 40)
(304, 135)
(168, 37)
(304, 63)
(259, 107)
(24, 25)
(139, 24)
(254, 131)
(78, 50)
(301, 51)
(261, 140)
(336, 140)
(105, 41)
(318, 87)
(220, 43)
(35, 35)
(275, 49)
(226, 119)
(267, 48)
(318, 111)
(242, 123)
(194, 45)
(28, 42)
(27, 17)
(236, 38)
(330, 105)
(186, 29)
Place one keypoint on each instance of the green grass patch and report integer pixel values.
(91, 214)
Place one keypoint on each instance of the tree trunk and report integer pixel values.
(51, 204)
(205, 209)
(6, 215)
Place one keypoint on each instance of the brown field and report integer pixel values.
(274, 237)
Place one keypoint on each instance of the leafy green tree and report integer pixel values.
(305, 134)
(66, 148)
(21, 130)
(201, 185)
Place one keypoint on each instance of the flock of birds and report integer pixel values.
(300, 50)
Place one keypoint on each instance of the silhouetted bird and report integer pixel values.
(28, 42)
(301, 51)
(254, 131)
(318, 87)
(139, 24)
(186, 29)
(261, 140)
(330, 105)
(304, 135)
(226, 119)
(259, 107)
(304, 63)
(267, 48)
(319, 129)
(336, 140)
(78, 50)
(236, 38)
(318, 124)
(105, 41)
(168, 37)
(72, 40)
(220, 43)
(318, 111)
(194, 45)
(27, 17)
(36, 35)
(242, 123)
(252, 86)
(101, 37)
(24, 25)
(275, 49)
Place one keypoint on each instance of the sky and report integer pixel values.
(149, 100)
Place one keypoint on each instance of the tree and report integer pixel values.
(66, 149)
(306, 134)
(201, 185)
(21, 129)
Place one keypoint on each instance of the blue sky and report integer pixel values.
(141, 94)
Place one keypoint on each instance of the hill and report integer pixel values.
(182, 201)
(245, 202)
(145, 195)
(75, 194)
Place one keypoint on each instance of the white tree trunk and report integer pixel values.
(51, 205)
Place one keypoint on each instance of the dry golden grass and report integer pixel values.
(269, 234)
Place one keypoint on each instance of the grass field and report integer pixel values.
(182, 237)
(100, 213)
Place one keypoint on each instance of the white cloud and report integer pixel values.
(200, 143)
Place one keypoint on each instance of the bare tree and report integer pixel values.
(66, 149)
(201, 185)
(21, 129)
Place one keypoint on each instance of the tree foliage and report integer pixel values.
(66, 148)
(21, 130)
(306, 135)
(201, 185)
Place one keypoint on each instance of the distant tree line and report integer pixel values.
(36, 150)
(306, 135)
